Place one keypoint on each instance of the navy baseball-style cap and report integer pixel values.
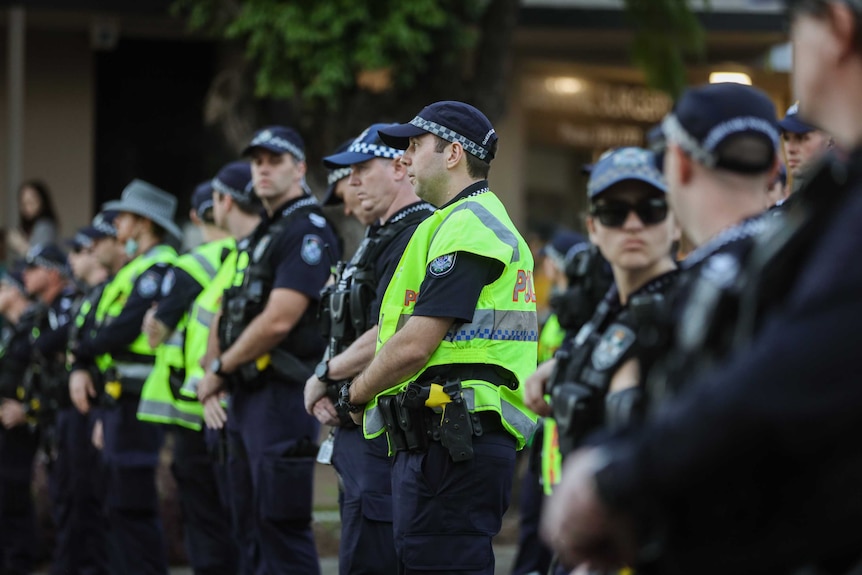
(366, 146)
(102, 226)
(621, 165)
(335, 176)
(47, 256)
(792, 123)
(707, 119)
(278, 140)
(561, 243)
(452, 121)
(202, 198)
(234, 179)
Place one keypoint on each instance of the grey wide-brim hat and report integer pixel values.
(146, 200)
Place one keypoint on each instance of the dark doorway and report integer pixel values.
(149, 118)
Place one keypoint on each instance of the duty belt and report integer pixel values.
(435, 411)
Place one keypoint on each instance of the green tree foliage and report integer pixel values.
(314, 50)
(666, 31)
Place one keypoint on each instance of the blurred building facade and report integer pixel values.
(85, 82)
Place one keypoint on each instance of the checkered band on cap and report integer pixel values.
(450, 136)
(642, 172)
(705, 152)
(82, 240)
(223, 188)
(337, 175)
(377, 150)
(270, 139)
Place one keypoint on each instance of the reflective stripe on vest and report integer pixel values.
(504, 327)
(161, 401)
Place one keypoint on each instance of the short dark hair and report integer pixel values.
(746, 153)
(476, 168)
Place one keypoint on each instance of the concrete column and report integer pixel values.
(16, 36)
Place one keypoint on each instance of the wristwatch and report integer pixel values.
(321, 372)
(344, 400)
(216, 368)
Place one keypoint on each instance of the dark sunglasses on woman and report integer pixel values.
(613, 214)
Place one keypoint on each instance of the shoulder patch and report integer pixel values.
(317, 220)
(168, 282)
(615, 342)
(148, 285)
(721, 269)
(441, 266)
(312, 249)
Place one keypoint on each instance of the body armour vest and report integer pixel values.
(580, 385)
(346, 304)
(504, 329)
(247, 296)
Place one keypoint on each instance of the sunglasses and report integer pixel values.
(613, 214)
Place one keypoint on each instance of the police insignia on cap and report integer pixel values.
(148, 285)
(317, 220)
(312, 249)
(264, 136)
(442, 265)
(615, 342)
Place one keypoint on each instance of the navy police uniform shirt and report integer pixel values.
(304, 254)
(389, 258)
(452, 286)
(54, 337)
(179, 290)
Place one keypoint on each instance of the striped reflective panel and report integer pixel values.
(373, 419)
(491, 222)
(513, 416)
(498, 325)
(204, 317)
(207, 266)
(190, 386)
(164, 410)
(133, 370)
(177, 339)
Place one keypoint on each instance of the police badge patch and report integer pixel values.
(441, 266)
(312, 249)
(615, 342)
(148, 285)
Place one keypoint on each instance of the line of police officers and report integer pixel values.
(686, 406)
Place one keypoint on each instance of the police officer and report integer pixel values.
(124, 360)
(270, 342)
(766, 443)
(379, 181)
(76, 474)
(236, 209)
(457, 334)
(18, 441)
(207, 522)
(804, 144)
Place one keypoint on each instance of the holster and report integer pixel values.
(411, 424)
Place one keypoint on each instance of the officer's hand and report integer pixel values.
(12, 413)
(534, 389)
(314, 391)
(324, 411)
(155, 330)
(576, 524)
(214, 414)
(81, 389)
(98, 437)
(209, 385)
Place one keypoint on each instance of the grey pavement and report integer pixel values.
(329, 565)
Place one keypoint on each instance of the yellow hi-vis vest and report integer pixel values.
(135, 362)
(504, 330)
(204, 310)
(161, 401)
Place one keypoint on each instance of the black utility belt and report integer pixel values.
(411, 425)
